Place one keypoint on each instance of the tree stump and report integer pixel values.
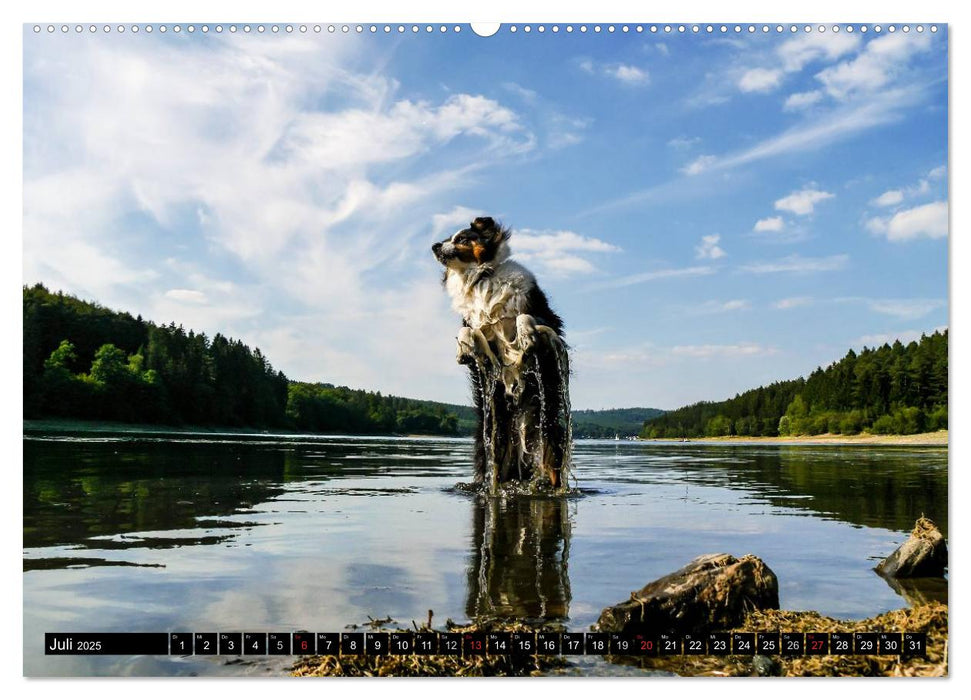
(714, 591)
(923, 554)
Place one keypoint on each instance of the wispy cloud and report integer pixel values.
(699, 165)
(876, 340)
(709, 249)
(905, 309)
(797, 264)
(662, 274)
(803, 49)
(792, 303)
(523, 93)
(717, 307)
(802, 100)
(723, 351)
(684, 142)
(830, 127)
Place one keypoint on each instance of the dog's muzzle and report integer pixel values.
(444, 251)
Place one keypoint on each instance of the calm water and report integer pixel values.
(279, 533)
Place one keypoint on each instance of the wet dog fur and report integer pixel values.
(506, 323)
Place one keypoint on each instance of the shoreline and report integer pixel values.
(936, 439)
(74, 425)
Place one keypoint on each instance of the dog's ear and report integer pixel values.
(484, 224)
(488, 228)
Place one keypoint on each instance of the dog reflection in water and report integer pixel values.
(519, 558)
(512, 342)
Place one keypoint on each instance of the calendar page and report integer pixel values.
(521, 349)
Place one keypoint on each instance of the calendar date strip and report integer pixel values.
(468, 644)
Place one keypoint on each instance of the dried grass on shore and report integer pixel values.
(930, 619)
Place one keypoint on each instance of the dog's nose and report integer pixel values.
(437, 247)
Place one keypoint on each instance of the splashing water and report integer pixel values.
(523, 446)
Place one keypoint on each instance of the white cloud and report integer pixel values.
(792, 302)
(801, 50)
(771, 224)
(622, 72)
(631, 75)
(662, 49)
(889, 198)
(797, 264)
(698, 165)
(924, 221)
(760, 80)
(882, 60)
(802, 202)
(938, 172)
(791, 56)
(801, 100)
(269, 162)
(557, 252)
(709, 249)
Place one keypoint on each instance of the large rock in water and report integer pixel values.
(923, 554)
(715, 591)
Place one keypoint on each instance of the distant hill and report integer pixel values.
(625, 422)
(893, 389)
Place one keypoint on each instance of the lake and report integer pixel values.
(212, 532)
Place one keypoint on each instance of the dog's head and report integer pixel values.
(483, 242)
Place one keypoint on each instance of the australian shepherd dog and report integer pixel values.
(512, 342)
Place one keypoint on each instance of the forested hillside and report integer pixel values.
(891, 389)
(84, 361)
(611, 422)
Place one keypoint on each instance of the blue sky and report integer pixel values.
(707, 212)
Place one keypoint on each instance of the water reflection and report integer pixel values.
(519, 561)
(919, 591)
(96, 495)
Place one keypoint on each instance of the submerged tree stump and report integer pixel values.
(923, 554)
(714, 591)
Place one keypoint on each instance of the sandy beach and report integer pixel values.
(936, 439)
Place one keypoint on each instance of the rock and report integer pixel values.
(766, 666)
(923, 554)
(715, 591)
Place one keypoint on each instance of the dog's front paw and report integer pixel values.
(525, 332)
(465, 347)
